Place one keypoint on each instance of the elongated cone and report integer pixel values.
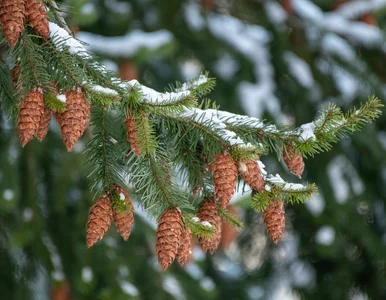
(12, 16)
(44, 124)
(249, 170)
(294, 160)
(37, 17)
(274, 219)
(99, 221)
(208, 212)
(228, 233)
(169, 230)
(74, 119)
(30, 113)
(225, 178)
(185, 250)
(124, 220)
(132, 136)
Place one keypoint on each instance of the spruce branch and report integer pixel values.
(7, 103)
(153, 180)
(277, 189)
(334, 125)
(230, 218)
(53, 103)
(58, 15)
(198, 228)
(103, 156)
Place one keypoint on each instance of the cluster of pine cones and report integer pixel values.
(34, 117)
(174, 238)
(102, 213)
(15, 13)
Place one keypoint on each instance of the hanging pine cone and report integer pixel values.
(249, 170)
(73, 121)
(124, 220)
(225, 178)
(170, 227)
(274, 219)
(44, 124)
(37, 17)
(294, 160)
(132, 136)
(99, 220)
(208, 212)
(30, 113)
(12, 16)
(185, 250)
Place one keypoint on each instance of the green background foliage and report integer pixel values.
(45, 196)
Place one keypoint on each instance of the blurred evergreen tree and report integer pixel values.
(277, 60)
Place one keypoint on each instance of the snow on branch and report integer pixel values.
(63, 40)
(278, 189)
(126, 46)
(355, 9)
(357, 32)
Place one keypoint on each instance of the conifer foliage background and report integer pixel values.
(300, 55)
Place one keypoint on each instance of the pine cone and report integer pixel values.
(74, 119)
(12, 16)
(185, 250)
(225, 178)
(170, 227)
(44, 124)
(251, 173)
(274, 219)
(132, 136)
(99, 220)
(208, 212)
(294, 160)
(37, 17)
(124, 220)
(30, 113)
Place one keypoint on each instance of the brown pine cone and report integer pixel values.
(74, 119)
(30, 113)
(12, 16)
(225, 178)
(185, 250)
(124, 220)
(37, 17)
(274, 219)
(208, 212)
(170, 227)
(44, 124)
(251, 173)
(132, 136)
(99, 221)
(294, 160)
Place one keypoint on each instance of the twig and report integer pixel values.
(58, 15)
